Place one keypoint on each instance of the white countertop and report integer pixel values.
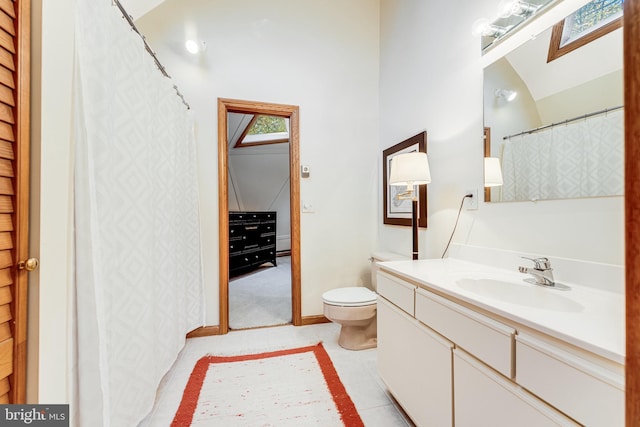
(589, 318)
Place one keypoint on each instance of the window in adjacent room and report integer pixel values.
(593, 20)
(263, 130)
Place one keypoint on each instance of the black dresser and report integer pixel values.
(252, 240)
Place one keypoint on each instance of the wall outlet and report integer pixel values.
(471, 202)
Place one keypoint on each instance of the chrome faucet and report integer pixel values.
(542, 271)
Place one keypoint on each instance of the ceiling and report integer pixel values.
(137, 8)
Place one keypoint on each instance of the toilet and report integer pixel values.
(355, 308)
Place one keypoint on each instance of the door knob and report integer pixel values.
(29, 265)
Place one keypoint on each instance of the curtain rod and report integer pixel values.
(584, 116)
(148, 48)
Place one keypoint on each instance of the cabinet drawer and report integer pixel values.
(396, 290)
(589, 393)
(488, 340)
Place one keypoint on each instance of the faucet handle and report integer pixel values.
(541, 263)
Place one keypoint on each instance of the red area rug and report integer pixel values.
(292, 387)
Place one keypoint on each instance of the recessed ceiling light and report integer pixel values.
(192, 46)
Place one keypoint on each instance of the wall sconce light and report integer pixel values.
(492, 172)
(194, 47)
(410, 169)
(508, 95)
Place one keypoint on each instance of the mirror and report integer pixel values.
(562, 135)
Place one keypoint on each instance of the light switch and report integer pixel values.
(305, 171)
(307, 207)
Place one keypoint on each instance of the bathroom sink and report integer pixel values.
(519, 292)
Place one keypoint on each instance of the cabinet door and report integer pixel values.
(484, 398)
(415, 364)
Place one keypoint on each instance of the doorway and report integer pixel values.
(290, 113)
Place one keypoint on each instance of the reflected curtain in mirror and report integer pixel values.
(580, 159)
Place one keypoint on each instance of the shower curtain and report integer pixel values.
(580, 159)
(138, 266)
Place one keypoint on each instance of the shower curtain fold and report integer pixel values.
(138, 264)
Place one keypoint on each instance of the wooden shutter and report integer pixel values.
(14, 155)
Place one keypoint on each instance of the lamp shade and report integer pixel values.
(492, 172)
(410, 169)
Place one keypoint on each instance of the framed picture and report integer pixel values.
(398, 211)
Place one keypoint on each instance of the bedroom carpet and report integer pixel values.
(261, 297)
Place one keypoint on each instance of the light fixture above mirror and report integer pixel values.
(509, 15)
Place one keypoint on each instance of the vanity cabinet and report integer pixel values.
(437, 354)
(413, 361)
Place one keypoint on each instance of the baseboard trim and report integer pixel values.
(314, 320)
(207, 331)
(204, 331)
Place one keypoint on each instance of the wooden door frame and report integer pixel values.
(226, 106)
(632, 207)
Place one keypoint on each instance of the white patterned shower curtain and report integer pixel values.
(138, 265)
(584, 158)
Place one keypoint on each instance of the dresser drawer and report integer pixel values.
(589, 393)
(397, 291)
(490, 341)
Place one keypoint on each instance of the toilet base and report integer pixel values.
(358, 325)
(358, 337)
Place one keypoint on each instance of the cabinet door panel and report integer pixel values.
(486, 399)
(415, 364)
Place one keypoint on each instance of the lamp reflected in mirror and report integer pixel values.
(410, 170)
(492, 172)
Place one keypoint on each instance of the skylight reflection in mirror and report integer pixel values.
(589, 18)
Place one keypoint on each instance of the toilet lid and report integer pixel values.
(350, 297)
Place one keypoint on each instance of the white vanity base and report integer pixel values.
(451, 358)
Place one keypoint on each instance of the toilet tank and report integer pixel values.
(377, 257)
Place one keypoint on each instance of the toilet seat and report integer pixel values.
(355, 296)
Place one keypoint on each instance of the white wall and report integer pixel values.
(320, 55)
(431, 78)
(51, 227)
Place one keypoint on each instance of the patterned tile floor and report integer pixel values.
(357, 370)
